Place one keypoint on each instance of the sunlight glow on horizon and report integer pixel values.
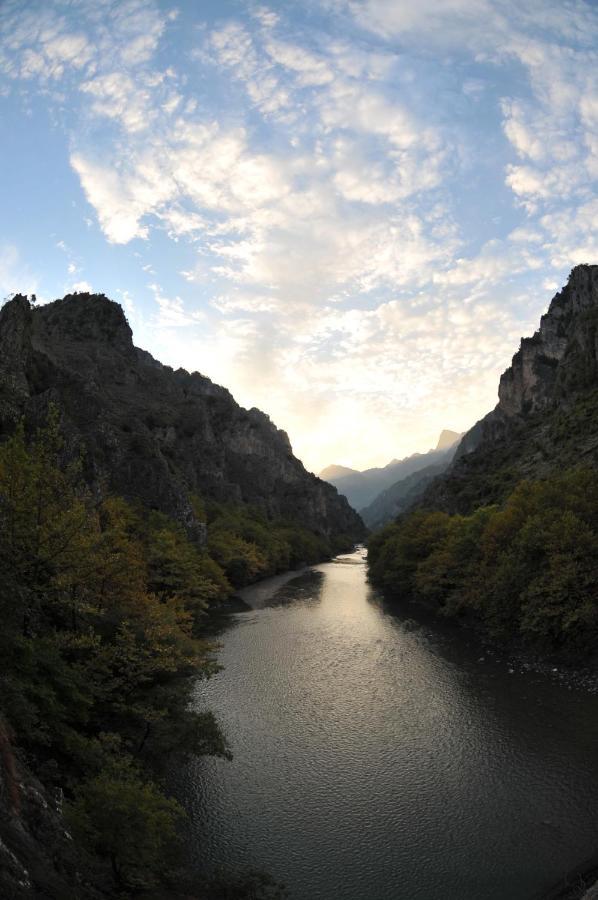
(348, 213)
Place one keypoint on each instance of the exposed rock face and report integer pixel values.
(546, 416)
(38, 858)
(447, 439)
(151, 433)
(535, 378)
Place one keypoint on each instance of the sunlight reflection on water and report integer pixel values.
(376, 757)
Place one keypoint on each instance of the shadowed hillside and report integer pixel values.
(152, 434)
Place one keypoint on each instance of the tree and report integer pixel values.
(126, 818)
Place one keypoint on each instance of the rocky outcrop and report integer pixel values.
(547, 412)
(38, 858)
(448, 439)
(150, 433)
(539, 374)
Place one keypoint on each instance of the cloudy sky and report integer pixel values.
(346, 211)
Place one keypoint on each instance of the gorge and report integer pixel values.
(354, 743)
(507, 537)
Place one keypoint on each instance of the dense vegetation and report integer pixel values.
(246, 546)
(527, 568)
(103, 609)
(546, 440)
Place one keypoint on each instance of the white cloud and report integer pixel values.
(314, 192)
(82, 287)
(494, 261)
(171, 311)
(310, 69)
(114, 199)
(117, 96)
(15, 275)
(442, 21)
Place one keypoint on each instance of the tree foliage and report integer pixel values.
(102, 608)
(247, 546)
(527, 568)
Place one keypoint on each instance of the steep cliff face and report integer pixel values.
(151, 433)
(547, 413)
(561, 355)
(38, 858)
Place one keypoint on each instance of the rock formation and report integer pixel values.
(150, 433)
(447, 439)
(547, 412)
(38, 857)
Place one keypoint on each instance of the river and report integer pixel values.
(381, 758)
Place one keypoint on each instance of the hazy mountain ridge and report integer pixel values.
(403, 494)
(151, 433)
(546, 418)
(335, 472)
(362, 489)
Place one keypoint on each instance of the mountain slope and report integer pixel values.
(362, 488)
(519, 560)
(402, 494)
(150, 433)
(546, 418)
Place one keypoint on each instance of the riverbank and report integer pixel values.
(377, 756)
(580, 883)
(256, 596)
(513, 656)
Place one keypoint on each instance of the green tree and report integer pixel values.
(126, 818)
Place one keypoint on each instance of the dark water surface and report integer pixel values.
(377, 758)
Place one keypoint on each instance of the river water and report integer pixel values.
(378, 758)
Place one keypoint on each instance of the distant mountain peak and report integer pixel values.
(334, 471)
(447, 439)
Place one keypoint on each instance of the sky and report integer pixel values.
(347, 212)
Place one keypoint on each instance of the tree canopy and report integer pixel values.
(528, 568)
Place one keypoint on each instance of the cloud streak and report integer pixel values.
(353, 222)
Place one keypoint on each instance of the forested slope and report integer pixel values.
(133, 499)
(508, 538)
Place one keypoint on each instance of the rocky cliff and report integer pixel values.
(38, 858)
(547, 412)
(150, 433)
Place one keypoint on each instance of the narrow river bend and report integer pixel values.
(376, 758)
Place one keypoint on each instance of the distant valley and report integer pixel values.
(380, 494)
